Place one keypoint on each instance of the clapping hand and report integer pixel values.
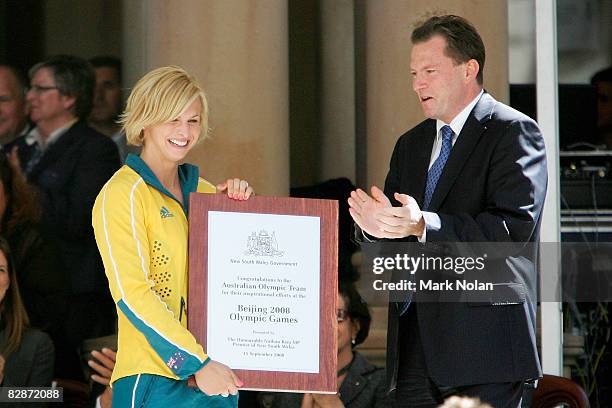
(375, 215)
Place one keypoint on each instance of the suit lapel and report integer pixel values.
(468, 138)
(58, 148)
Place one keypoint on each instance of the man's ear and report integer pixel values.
(472, 67)
(68, 101)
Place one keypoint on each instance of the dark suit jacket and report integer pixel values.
(31, 365)
(70, 175)
(492, 189)
(42, 280)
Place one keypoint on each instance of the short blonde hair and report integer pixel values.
(158, 97)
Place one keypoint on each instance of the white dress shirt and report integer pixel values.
(432, 220)
(34, 137)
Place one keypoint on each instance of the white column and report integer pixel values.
(547, 86)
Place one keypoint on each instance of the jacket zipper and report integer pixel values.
(183, 306)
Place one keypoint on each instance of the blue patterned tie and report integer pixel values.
(434, 173)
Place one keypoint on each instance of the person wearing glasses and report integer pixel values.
(360, 384)
(68, 162)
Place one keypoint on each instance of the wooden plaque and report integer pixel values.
(327, 211)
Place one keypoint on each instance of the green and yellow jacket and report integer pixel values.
(142, 234)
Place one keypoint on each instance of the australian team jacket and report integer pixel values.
(141, 231)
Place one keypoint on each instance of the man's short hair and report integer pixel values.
(605, 75)
(158, 97)
(22, 82)
(102, 61)
(463, 42)
(73, 76)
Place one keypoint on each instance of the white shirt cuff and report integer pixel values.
(365, 237)
(432, 222)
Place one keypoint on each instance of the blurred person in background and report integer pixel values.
(26, 354)
(108, 104)
(13, 105)
(68, 162)
(42, 279)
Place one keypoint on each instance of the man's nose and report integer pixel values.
(418, 83)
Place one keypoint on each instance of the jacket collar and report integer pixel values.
(473, 129)
(188, 178)
(355, 380)
(68, 137)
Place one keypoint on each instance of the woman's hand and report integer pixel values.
(217, 379)
(236, 189)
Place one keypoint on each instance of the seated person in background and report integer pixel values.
(26, 355)
(360, 384)
(41, 277)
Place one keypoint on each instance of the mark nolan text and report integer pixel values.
(449, 285)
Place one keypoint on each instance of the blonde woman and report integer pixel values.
(140, 223)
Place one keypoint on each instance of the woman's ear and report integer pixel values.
(355, 327)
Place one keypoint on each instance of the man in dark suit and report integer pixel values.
(474, 171)
(69, 163)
